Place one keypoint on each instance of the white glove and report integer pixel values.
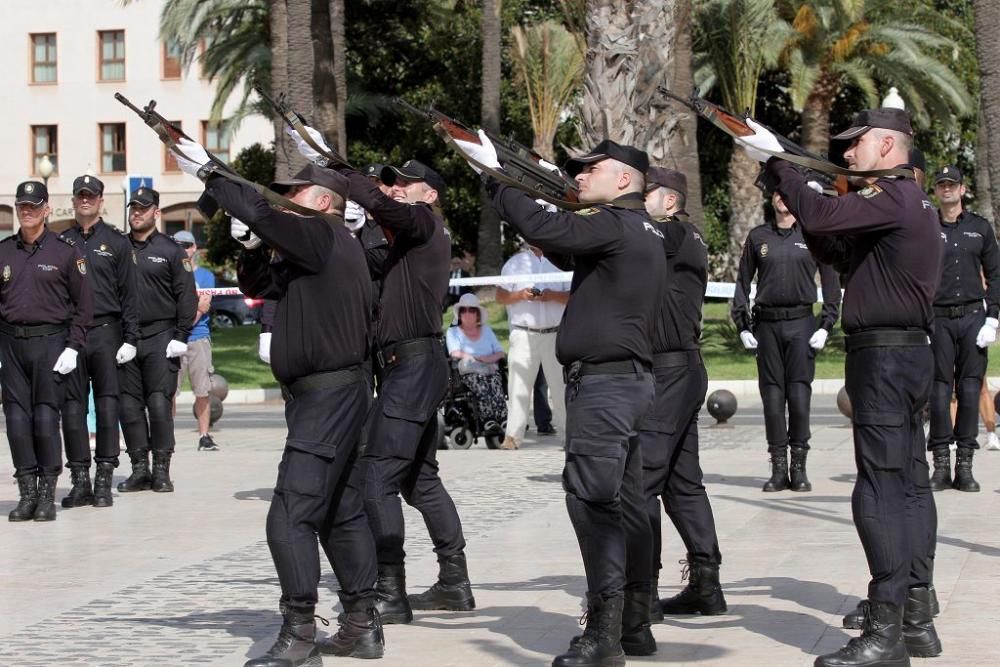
(988, 333)
(353, 212)
(815, 185)
(818, 340)
(307, 151)
(264, 347)
(484, 152)
(66, 362)
(548, 165)
(197, 157)
(761, 138)
(125, 354)
(239, 231)
(749, 342)
(551, 208)
(175, 348)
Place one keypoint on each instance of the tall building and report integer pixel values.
(63, 61)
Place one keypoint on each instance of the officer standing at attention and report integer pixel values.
(962, 330)
(893, 267)
(315, 270)
(604, 343)
(400, 454)
(45, 309)
(166, 314)
(785, 334)
(111, 341)
(668, 435)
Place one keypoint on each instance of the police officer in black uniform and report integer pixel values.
(111, 341)
(604, 343)
(315, 270)
(166, 314)
(785, 334)
(45, 308)
(892, 253)
(668, 435)
(962, 330)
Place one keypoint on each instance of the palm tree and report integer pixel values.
(736, 40)
(284, 148)
(489, 247)
(988, 52)
(836, 43)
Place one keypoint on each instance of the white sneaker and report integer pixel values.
(992, 442)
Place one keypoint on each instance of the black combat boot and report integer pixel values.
(81, 494)
(637, 638)
(880, 644)
(799, 481)
(27, 486)
(390, 596)
(919, 635)
(703, 593)
(161, 472)
(360, 634)
(140, 479)
(45, 510)
(102, 485)
(655, 613)
(964, 480)
(941, 478)
(294, 646)
(779, 473)
(600, 645)
(452, 591)
(855, 620)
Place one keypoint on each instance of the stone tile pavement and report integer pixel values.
(186, 578)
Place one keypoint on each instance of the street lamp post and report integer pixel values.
(45, 169)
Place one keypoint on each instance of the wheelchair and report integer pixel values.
(459, 424)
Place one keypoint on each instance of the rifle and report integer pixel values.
(522, 166)
(170, 134)
(298, 122)
(737, 127)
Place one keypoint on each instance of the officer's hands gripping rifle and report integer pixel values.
(298, 123)
(522, 167)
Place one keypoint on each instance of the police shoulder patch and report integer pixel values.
(869, 191)
(66, 240)
(81, 266)
(186, 263)
(588, 211)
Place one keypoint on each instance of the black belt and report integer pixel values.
(952, 312)
(155, 327)
(678, 358)
(396, 352)
(581, 368)
(774, 314)
(886, 338)
(533, 330)
(31, 330)
(324, 380)
(105, 319)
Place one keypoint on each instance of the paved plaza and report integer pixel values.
(186, 578)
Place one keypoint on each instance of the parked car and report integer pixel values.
(233, 311)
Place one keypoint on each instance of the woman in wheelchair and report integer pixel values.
(474, 348)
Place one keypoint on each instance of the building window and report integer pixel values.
(44, 141)
(215, 137)
(171, 60)
(112, 46)
(112, 147)
(169, 161)
(43, 58)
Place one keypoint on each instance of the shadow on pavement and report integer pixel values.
(572, 584)
(812, 594)
(255, 494)
(735, 480)
(552, 478)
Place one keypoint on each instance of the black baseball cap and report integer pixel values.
(88, 183)
(414, 170)
(633, 157)
(948, 173)
(885, 118)
(374, 170)
(313, 175)
(658, 177)
(31, 192)
(917, 159)
(144, 197)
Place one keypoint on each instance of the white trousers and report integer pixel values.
(529, 350)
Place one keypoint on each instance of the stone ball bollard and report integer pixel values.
(219, 386)
(721, 404)
(844, 403)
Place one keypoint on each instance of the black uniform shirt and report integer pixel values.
(112, 274)
(316, 271)
(376, 248)
(970, 247)
(894, 253)
(786, 275)
(45, 283)
(618, 278)
(679, 325)
(414, 271)
(166, 284)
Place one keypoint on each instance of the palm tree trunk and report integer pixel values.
(816, 119)
(987, 27)
(683, 144)
(324, 86)
(745, 206)
(339, 71)
(300, 67)
(490, 252)
(283, 146)
(609, 81)
(984, 202)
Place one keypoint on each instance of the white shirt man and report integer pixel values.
(534, 311)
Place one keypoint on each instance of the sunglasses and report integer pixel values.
(186, 245)
(468, 309)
